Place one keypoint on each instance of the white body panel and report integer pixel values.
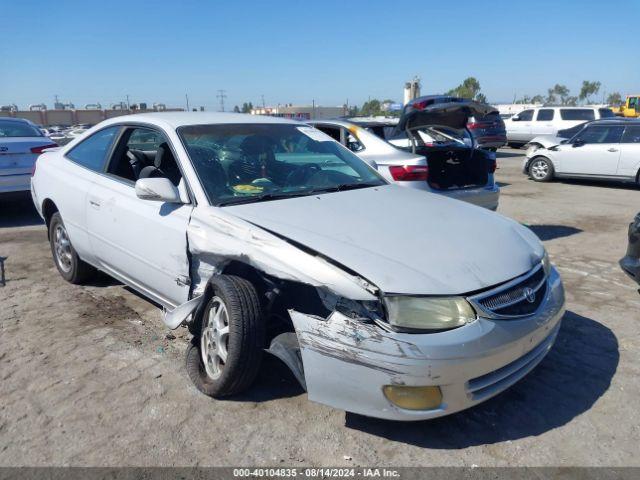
(141, 241)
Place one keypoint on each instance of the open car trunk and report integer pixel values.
(452, 163)
(456, 167)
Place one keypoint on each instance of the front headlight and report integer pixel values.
(428, 313)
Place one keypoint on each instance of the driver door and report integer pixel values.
(141, 242)
(595, 151)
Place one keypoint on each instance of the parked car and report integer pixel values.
(264, 233)
(453, 167)
(603, 149)
(528, 124)
(630, 263)
(488, 130)
(21, 141)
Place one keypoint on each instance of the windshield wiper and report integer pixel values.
(345, 186)
(262, 198)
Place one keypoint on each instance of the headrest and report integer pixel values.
(164, 158)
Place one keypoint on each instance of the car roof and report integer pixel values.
(615, 121)
(19, 120)
(180, 119)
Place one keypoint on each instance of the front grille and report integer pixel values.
(517, 298)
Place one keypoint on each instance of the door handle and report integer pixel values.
(612, 150)
(94, 203)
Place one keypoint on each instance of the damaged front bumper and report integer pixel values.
(347, 363)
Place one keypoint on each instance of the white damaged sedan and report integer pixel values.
(263, 234)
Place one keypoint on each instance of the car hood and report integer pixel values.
(446, 111)
(403, 240)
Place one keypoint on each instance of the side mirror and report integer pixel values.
(577, 143)
(158, 189)
(515, 118)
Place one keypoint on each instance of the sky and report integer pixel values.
(330, 52)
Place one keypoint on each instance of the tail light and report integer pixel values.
(40, 149)
(473, 125)
(409, 173)
(493, 165)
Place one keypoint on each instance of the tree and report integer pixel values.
(480, 97)
(588, 89)
(558, 91)
(236, 109)
(371, 108)
(354, 111)
(614, 99)
(247, 107)
(537, 99)
(469, 88)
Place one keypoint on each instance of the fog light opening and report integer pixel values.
(413, 398)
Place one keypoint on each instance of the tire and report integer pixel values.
(540, 169)
(68, 263)
(237, 302)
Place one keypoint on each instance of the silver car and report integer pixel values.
(20, 144)
(261, 234)
(434, 158)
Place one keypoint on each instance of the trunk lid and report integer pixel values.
(441, 110)
(16, 157)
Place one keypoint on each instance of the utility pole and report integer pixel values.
(221, 95)
(263, 105)
(187, 99)
(128, 106)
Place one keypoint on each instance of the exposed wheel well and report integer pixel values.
(48, 209)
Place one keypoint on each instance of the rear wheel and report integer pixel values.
(541, 169)
(67, 261)
(226, 351)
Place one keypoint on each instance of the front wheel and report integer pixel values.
(541, 169)
(67, 261)
(225, 354)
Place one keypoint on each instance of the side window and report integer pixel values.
(526, 115)
(144, 153)
(92, 152)
(582, 114)
(333, 132)
(351, 141)
(545, 115)
(601, 134)
(631, 135)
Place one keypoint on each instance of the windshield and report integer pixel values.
(242, 163)
(18, 129)
(570, 132)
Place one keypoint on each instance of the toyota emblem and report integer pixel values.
(530, 295)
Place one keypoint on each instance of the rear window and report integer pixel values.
(631, 134)
(583, 114)
(18, 129)
(606, 113)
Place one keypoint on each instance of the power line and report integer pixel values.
(221, 95)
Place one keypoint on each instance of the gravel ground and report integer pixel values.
(90, 376)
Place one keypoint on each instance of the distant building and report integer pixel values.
(411, 90)
(300, 112)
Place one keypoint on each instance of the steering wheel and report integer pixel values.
(301, 174)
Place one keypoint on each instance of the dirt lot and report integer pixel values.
(90, 376)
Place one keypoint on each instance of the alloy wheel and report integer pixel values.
(62, 248)
(215, 338)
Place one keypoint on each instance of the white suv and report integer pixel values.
(526, 125)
